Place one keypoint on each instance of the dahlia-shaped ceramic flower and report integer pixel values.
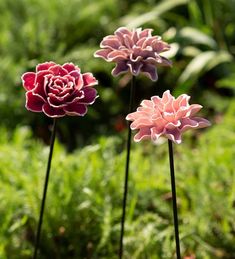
(59, 90)
(136, 51)
(167, 117)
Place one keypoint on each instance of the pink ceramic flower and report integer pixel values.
(135, 51)
(59, 90)
(166, 116)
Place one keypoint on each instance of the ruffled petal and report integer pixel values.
(135, 67)
(156, 133)
(89, 79)
(166, 117)
(110, 42)
(193, 109)
(121, 67)
(174, 135)
(58, 70)
(90, 94)
(103, 53)
(134, 46)
(28, 79)
(144, 133)
(70, 67)
(117, 55)
(146, 33)
(141, 122)
(44, 66)
(150, 71)
(76, 109)
(34, 102)
(52, 111)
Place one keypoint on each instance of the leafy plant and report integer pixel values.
(83, 208)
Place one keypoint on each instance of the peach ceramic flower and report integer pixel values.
(166, 116)
(136, 51)
(59, 90)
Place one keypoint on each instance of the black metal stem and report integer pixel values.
(128, 147)
(174, 203)
(45, 189)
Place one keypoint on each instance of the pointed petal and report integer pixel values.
(193, 109)
(146, 33)
(166, 97)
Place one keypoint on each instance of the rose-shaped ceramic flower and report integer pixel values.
(59, 90)
(166, 116)
(136, 51)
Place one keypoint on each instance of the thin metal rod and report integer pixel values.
(128, 147)
(174, 202)
(52, 141)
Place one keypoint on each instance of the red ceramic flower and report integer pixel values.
(59, 90)
(166, 116)
(136, 51)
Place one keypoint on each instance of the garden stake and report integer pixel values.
(174, 203)
(128, 147)
(45, 189)
(134, 51)
(167, 117)
(57, 90)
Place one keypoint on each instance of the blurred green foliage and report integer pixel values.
(85, 188)
(83, 208)
(201, 33)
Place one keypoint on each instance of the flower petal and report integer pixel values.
(103, 53)
(34, 102)
(150, 71)
(44, 66)
(52, 111)
(117, 55)
(174, 135)
(166, 116)
(146, 33)
(193, 109)
(156, 133)
(121, 67)
(144, 133)
(135, 67)
(110, 42)
(28, 79)
(89, 79)
(141, 122)
(90, 94)
(70, 67)
(76, 109)
(58, 70)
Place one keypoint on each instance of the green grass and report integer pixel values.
(83, 207)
